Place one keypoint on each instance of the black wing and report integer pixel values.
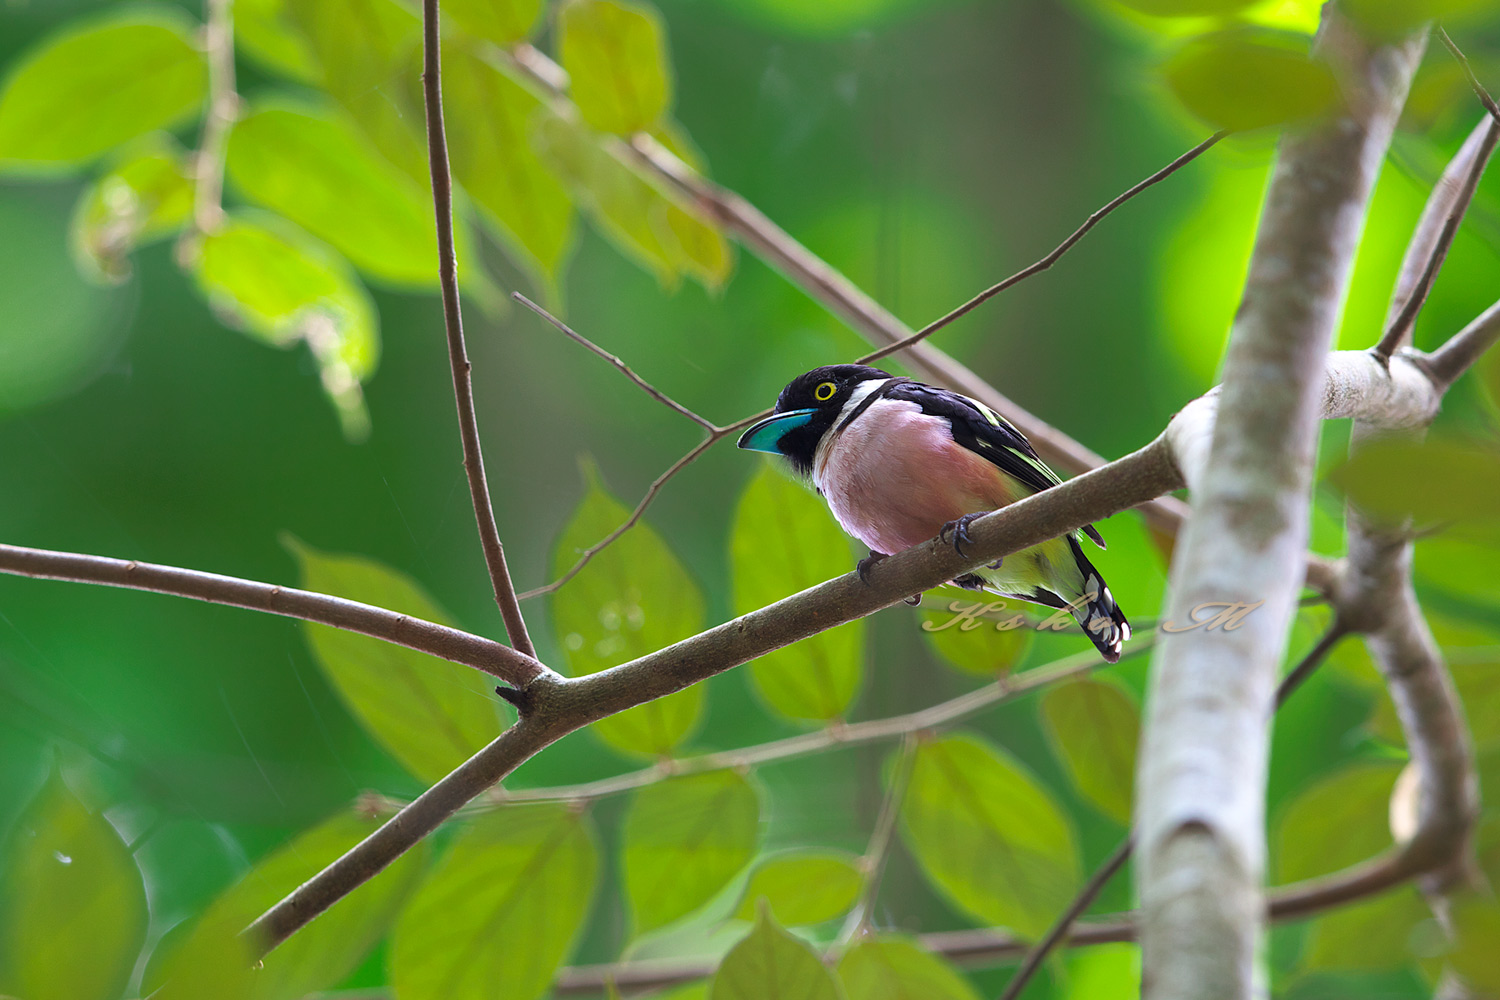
(986, 433)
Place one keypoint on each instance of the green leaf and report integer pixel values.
(431, 714)
(1435, 480)
(1093, 726)
(147, 195)
(493, 157)
(632, 598)
(988, 835)
(72, 903)
(803, 886)
(98, 83)
(314, 168)
(1476, 921)
(784, 541)
(1247, 78)
(1388, 20)
(1367, 935)
(502, 910)
(319, 955)
(262, 31)
(683, 840)
(1489, 373)
(369, 56)
(503, 22)
(977, 633)
(1186, 8)
(281, 285)
(769, 962)
(1473, 662)
(896, 968)
(1337, 821)
(615, 55)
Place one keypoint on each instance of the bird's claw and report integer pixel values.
(959, 529)
(913, 600)
(863, 566)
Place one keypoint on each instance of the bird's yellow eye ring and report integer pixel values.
(824, 392)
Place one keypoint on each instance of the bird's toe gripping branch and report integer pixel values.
(863, 569)
(959, 530)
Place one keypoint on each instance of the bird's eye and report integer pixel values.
(824, 392)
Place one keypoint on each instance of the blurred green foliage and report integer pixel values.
(167, 770)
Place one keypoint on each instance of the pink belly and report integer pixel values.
(893, 478)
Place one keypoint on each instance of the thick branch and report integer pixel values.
(1200, 814)
(427, 637)
(458, 356)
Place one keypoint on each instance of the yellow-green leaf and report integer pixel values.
(1387, 20)
(1186, 8)
(1433, 481)
(312, 167)
(615, 55)
(978, 633)
(319, 955)
(494, 159)
(431, 714)
(769, 962)
(896, 968)
(1337, 821)
(148, 194)
(988, 835)
(632, 598)
(263, 31)
(268, 277)
(98, 83)
(1093, 725)
(1246, 78)
(503, 22)
(683, 840)
(803, 886)
(501, 911)
(1369, 934)
(784, 541)
(72, 903)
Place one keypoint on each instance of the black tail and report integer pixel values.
(1096, 609)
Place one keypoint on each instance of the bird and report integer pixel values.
(899, 462)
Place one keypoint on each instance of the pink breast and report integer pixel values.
(895, 476)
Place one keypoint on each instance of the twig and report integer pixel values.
(1463, 60)
(1464, 348)
(645, 386)
(458, 357)
(1112, 865)
(1051, 258)
(223, 108)
(879, 849)
(475, 651)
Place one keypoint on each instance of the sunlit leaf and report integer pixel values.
(494, 159)
(431, 714)
(683, 840)
(632, 598)
(148, 194)
(1370, 934)
(1433, 481)
(895, 968)
(1246, 79)
(1339, 820)
(72, 903)
(273, 280)
(1093, 726)
(262, 31)
(784, 541)
(1106, 972)
(501, 911)
(976, 632)
(769, 962)
(615, 55)
(319, 955)
(988, 835)
(503, 22)
(98, 83)
(313, 168)
(1186, 8)
(1393, 19)
(803, 887)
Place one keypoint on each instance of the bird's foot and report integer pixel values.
(913, 600)
(960, 531)
(864, 565)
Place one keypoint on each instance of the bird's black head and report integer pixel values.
(805, 410)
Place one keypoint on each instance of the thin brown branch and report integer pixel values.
(223, 108)
(645, 386)
(458, 355)
(1469, 164)
(1474, 84)
(475, 651)
(1051, 258)
(1465, 348)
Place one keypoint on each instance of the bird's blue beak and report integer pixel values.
(766, 435)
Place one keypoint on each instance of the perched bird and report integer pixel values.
(899, 462)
